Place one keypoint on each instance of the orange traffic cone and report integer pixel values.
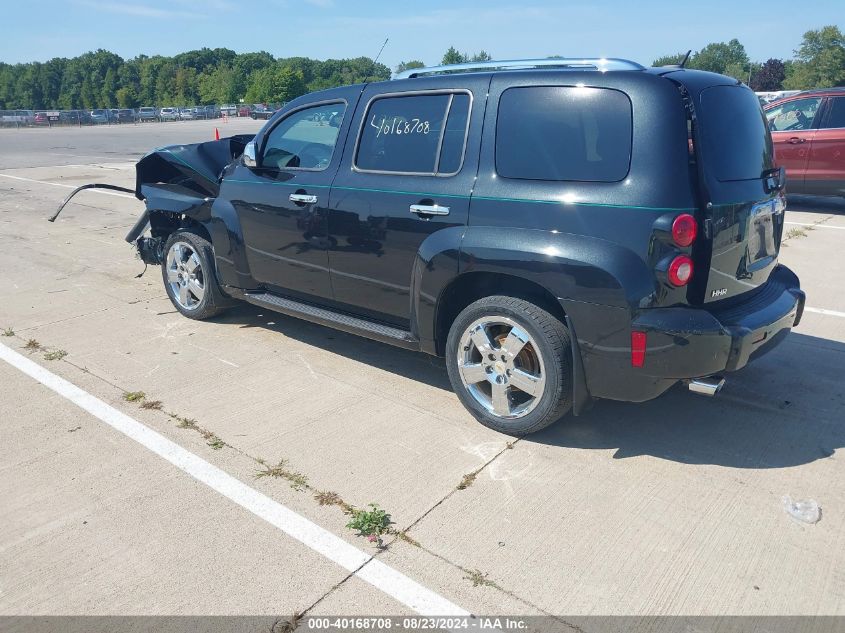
(216, 134)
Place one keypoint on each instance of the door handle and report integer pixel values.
(303, 198)
(795, 140)
(429, 209)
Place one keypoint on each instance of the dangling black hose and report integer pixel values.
(83, 187)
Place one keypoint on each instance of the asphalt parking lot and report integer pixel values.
(671, 507)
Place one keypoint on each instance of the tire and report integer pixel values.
(191, 282)
(536, 381)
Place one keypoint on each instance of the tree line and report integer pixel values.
(101, 79)
(819, 62)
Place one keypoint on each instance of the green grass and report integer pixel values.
(134, 396)
(56, 354)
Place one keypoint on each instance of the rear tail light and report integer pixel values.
(638, 343)
(684, 230)
(680, 271)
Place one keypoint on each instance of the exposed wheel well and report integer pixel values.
(471, 287)
(163, 223)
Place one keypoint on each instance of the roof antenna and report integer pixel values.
(386, 40)
(685, 59)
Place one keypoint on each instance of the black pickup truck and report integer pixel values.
(559, 230)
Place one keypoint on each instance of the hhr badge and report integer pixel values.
(719, 292)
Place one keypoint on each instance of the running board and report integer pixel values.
(337, 320)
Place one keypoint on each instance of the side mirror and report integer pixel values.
(249, 155)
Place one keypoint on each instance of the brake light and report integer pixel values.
(638, 343)
(684, 230)
(680, 271)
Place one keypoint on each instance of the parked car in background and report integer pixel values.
(126, 115)
(550, 231)
(186, 114)
(808, 132)
(168, 114)
(74, 117)
(228, 110)
(212, 112)
(244, 110)
(260, 111)
(100, 116)
(199, 112)
(147, 113)
(41, 118)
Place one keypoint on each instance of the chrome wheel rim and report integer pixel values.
(501, 367)
(185, 275)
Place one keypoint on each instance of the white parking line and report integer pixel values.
(381, 576)
(817, 226)
(827, 312)
(61, 184)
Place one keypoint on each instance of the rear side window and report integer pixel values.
(737, 142)
(422, 134)
(836, 114)
(564, 133)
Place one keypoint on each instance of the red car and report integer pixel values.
(808, 130)
(41, 118)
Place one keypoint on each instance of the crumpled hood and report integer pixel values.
(196, 167)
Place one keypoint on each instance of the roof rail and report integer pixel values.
(596, 63)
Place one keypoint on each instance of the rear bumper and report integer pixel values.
(683, 342)
(694, 342)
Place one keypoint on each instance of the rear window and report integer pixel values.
(735, 134)
(564, 133)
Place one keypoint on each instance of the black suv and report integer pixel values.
(559, 230)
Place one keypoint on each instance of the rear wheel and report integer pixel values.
(189, 278)
(510, 364)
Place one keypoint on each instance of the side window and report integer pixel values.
(793, 115)
(836, 113)
(415, 134)
(305, 139)
(564, 133)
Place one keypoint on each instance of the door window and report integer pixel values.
(793, 116)
(564, 133)
(421, 134)
(836, 113)
(305, 139)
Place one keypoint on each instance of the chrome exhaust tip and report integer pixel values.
(707, 386)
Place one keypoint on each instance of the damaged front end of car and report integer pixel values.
(178, 184)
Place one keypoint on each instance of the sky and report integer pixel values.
(634, 29)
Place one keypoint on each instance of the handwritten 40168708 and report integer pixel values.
(400, 125)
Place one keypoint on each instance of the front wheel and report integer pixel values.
(189, 278)
(510, 363)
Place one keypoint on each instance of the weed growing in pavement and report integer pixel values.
(8, 332)
(151, 404)
(134, 396)
(327, 498)
(468, 480)
(372, 523)
(793, 233)
(56, 354)
(211, 439)
(32, 345)
(297, 480)
(479, 579)
(286, 626)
